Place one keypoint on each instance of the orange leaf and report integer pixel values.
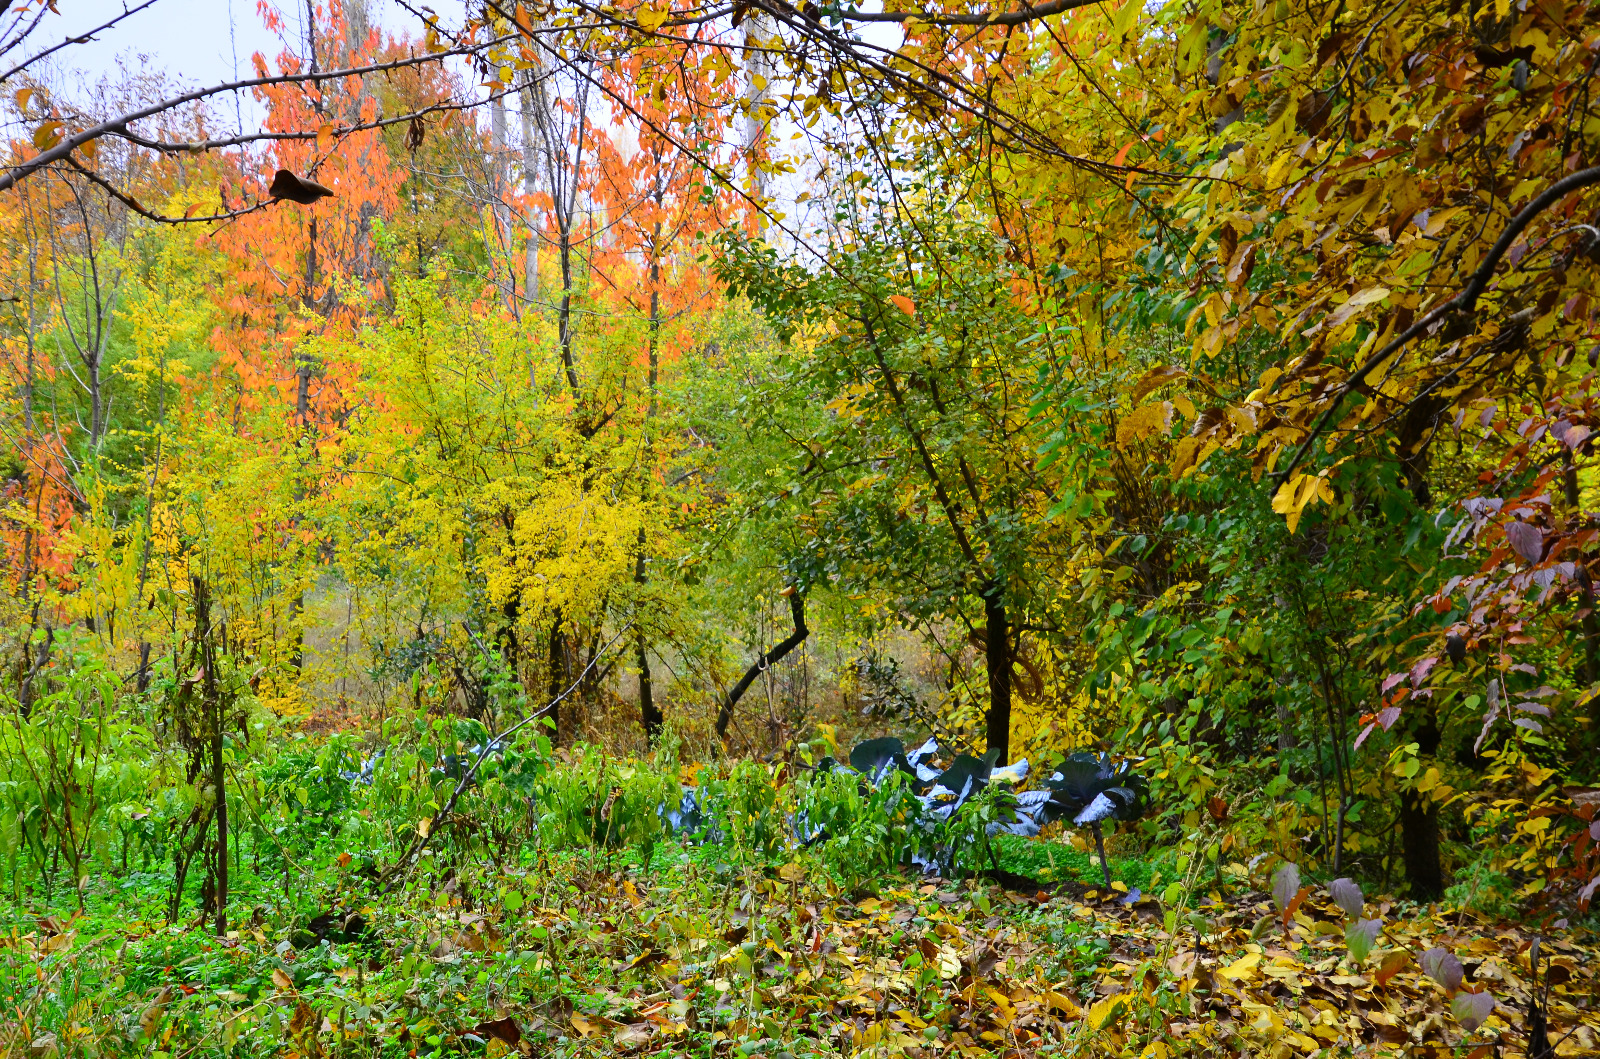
(1295, 903)
(1122, 155)
(904, 304)
(1391, 966)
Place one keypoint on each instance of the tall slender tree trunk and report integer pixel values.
(304, 365)
(530, 162)
(1589, 657)
(557, 673)
(997, 654)
(1419, 828)
(216, 720)
(649, 715)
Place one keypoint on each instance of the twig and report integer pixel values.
(409, 858)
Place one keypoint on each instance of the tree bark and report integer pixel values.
(558, 673)
(797, 607)
(997, 654)
(1419, 830)
(649, 713)
(212, 698)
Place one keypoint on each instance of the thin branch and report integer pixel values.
(118, 126)
(495, 743)
(82, 38)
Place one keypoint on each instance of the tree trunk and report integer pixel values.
(649, 714)
(1419, 830)
(797, 608)
(997, 654)
(558, 674)
(215, 721)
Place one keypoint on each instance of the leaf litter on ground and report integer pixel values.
(784, 962)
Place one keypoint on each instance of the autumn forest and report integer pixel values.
(961, 528)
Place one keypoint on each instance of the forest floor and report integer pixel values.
(577, 956)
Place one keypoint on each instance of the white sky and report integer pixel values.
(194, 43)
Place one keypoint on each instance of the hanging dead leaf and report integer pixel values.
(47, 135)
(286, 185)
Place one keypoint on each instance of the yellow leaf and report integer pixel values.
(282, 980)
(23, 95)
(650, 18)
(1298, 493)
(584, 1027)
(1126, 16)
(1242, 968)
(949, 963)
(325, 136)
(1062, 1005)
(904, 304)
(1104, 1012)
(1142, 422)
(1159, 375)
(1359, 300)
(47, 135)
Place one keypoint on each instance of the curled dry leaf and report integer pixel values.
(286, 185)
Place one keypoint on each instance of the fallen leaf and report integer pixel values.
(1104, 1012)
(1392, 965)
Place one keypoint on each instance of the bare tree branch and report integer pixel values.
(82, 38)
(118, 126)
